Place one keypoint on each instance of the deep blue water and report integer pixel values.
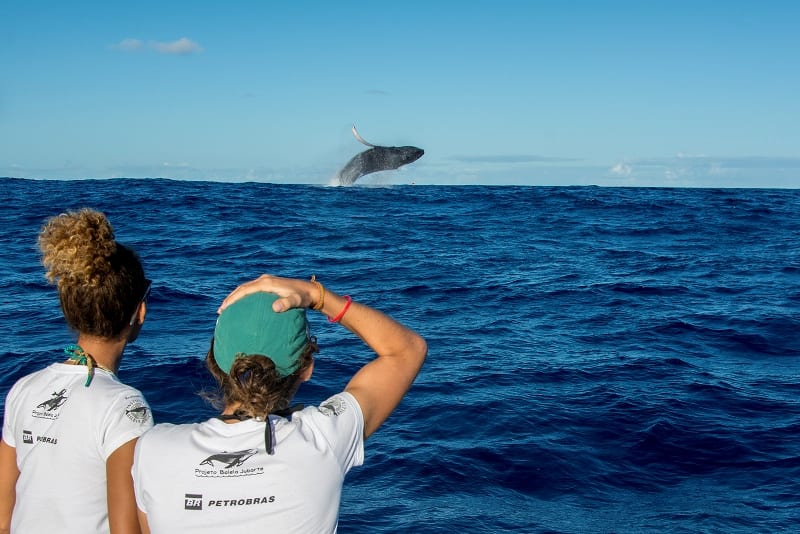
(600, 359)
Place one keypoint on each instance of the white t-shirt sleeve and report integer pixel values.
(9, 417)
(137, 470)
(128, 416)
(344, 420)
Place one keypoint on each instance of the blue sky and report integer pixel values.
(644, 93)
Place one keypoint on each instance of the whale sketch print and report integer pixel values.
(138, 410)
(58, 399)
(230, 459)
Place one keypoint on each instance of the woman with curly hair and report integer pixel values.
(263, 465)
(70, 429)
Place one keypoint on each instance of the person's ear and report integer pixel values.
(306, 375)
(139, 315)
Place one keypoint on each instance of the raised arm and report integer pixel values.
(380, 385)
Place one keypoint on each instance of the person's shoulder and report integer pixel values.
(338, 404)
(158, 433)
(40, 377)
(333, 411)
(112, 385)
(36, 375)
(166, 429)
(170, 431)
(337, 422)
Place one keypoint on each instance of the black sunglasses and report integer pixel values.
(144, 299)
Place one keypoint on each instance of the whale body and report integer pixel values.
(377, 158)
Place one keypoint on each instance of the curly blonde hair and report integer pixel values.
(100, 282)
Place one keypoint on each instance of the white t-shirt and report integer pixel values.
(217, 477)
(63, 433)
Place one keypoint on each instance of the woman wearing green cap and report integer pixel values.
(262, 465)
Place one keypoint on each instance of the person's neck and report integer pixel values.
(229, 413)
(229, 416)
(106, 352)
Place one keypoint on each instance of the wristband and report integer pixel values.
(318, 306)
(347, 303)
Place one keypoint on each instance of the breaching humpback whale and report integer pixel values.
(377, 158)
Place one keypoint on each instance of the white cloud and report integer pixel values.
(181, 47)
(701, 170)
(129, 45)
(621, 169)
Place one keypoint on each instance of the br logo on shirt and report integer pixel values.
(137, 411)
(27, 437)
(49, 408)
(193, 501)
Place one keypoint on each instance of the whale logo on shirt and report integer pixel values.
(58, 399)
(137, 411)
(230, 459)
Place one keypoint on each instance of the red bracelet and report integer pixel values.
(347, 303)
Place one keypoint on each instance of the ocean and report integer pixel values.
(600, 359)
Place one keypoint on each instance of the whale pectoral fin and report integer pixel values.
(359, 138)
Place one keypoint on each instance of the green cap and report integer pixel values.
(249, 326)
